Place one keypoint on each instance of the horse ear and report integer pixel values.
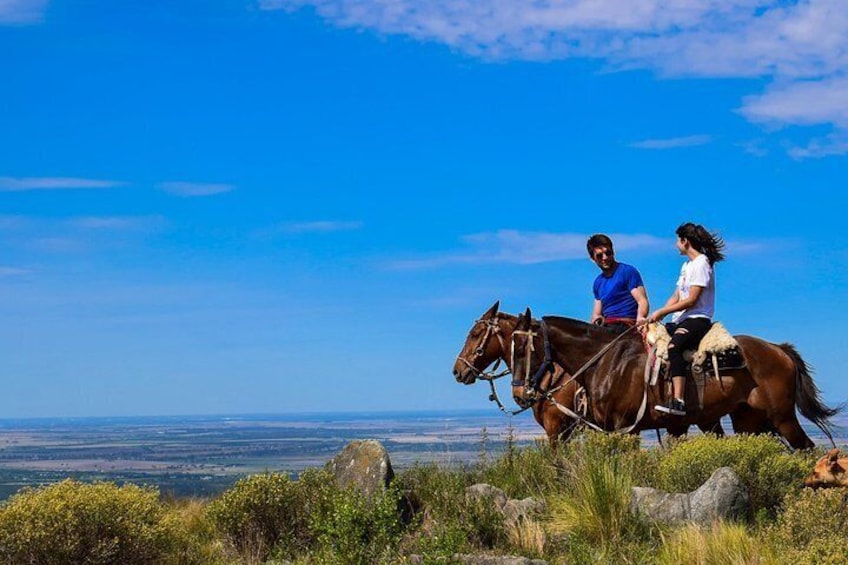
(528, 313)
(833, 455)
(522, 323)
(490, 313)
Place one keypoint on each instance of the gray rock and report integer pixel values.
(364, 465)
(516, 511)
(482, 492)
(665, 507)
(723, 496)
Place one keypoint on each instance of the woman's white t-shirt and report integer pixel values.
(697, 272)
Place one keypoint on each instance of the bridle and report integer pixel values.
(492, 329)
(532, 383)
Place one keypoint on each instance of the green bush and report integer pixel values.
(272, 516)
(202, 544)
(267, 511)
(356, 530)
(532, 471)
(76, 523)
(762, 463)
(813, 527)
(447, 521)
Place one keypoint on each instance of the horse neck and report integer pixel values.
(574, 342)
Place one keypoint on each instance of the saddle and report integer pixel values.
(718, 351)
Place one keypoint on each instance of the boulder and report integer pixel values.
(481, 492)
(363, 465)
(516, 511)
(723, 496)
(513, 511)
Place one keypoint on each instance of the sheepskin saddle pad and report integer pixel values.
(718, 346)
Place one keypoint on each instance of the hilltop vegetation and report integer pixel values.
(270, 518)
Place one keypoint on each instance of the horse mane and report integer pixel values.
(594, 330)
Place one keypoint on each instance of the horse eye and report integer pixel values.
(479, 351)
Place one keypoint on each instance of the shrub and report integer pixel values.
(73, 523)
(761, 462)
(356, 530)
(813, 527)
(202, 545)
(532, 471)
(448, 522)
(272, 516)
(271, 510)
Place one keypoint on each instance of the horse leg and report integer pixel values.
(784, 421)
(713, 427)
(746, 420)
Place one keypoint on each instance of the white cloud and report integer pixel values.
(21, 11)
(58, 244)
(525, 248)
(116, 223)
(13, 272)
(13, 184)
(801, 46)
(673, 142)
(189, 189)
(319, 226)
(801, 103)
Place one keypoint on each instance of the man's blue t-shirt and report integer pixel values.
(614, 292)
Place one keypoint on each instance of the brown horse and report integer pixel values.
(489, 340)
(762, 396)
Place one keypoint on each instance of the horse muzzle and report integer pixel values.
(464, 375)
(524, 399)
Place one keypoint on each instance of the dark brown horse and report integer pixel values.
(489, 340)
(762, 396)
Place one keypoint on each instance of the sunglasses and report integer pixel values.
(600, 254)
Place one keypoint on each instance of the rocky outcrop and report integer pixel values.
(514, 511)
(364, 465)
(723, 496)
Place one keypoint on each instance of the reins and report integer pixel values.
(550, 392)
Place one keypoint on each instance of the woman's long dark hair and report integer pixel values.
(703, 241)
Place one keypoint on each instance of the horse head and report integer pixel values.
(483, 346)
(527, 356)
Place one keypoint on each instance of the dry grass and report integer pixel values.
(528, 536)
(721, 544)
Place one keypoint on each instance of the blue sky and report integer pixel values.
(302, 205)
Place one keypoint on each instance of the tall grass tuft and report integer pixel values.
(721, 544)
(596, 506)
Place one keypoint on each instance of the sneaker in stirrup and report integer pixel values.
(674, 407)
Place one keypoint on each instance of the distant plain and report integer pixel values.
(203, 455)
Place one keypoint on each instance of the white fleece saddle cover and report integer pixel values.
(714, 344)
(717, 340)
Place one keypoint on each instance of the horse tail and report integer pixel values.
(807, 394)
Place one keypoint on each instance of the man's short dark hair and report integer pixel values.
(598, 240)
